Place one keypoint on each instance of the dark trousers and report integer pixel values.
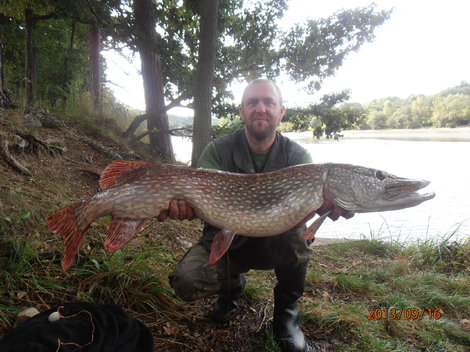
(194, 278)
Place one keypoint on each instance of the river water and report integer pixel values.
(445, 163)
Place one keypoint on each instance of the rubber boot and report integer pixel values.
(226, 304)
(286, 329)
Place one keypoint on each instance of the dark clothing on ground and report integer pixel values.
(96, 327)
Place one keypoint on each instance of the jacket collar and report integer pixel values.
(277, 158)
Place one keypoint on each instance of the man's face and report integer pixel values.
(261, 109)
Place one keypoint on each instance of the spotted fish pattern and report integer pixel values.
(255, 205)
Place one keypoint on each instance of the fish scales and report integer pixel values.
(254, 205)
(247, 204)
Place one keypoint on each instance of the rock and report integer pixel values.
(183, 243)
(25, 315)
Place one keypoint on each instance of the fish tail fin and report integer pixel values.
(64, 222)
(121, 231)
(118, 168)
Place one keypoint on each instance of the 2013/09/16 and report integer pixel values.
(403, 313)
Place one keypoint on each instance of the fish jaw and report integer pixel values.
(365, 190)
(403, 193)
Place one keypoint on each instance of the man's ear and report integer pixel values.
(283, 111)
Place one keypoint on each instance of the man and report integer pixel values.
(256, 148)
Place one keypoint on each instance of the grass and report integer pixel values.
(359, 277)
(345, 282)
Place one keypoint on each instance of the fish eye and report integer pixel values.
(380, 175)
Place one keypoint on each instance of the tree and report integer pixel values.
(462, 88)
(31, 20)
(167, 34)
(203, 83)
(250, 44)
(315, 50)
(5, 99)
(421, 110)
(157, 118)
(326, 118)
(95, 71)
(62, 42)
(308, 53)
(451, 111)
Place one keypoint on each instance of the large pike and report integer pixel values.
(255, 205)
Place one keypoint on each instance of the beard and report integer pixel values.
(261, 134)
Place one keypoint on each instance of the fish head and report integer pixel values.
(363, 189)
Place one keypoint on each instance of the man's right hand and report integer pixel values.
(177, 210)
(335, 211)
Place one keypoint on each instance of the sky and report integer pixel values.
(422, 49)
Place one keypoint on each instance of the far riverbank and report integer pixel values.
(461, 134)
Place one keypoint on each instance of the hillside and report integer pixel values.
(345, 280)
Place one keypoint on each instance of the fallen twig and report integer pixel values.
(5, 153)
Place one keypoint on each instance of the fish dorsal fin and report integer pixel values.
(118, 168)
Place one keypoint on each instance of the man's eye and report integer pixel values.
(269, 102)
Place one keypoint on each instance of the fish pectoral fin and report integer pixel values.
(313, 228)
(121, 231)
(220, 244)
(118, 168)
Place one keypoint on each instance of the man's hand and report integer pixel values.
(336, 211)
(177, 210)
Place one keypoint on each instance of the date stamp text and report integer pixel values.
(404, 313)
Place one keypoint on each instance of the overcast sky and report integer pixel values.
(422, 49)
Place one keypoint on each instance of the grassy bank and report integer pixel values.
(361, 295)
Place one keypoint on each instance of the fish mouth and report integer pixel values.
(405, 191)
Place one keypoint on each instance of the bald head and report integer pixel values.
(263, 81)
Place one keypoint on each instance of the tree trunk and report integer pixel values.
(95, 72)
(204, 78)
(69, 54)
(30, 79)
(157, 120)
(5, 99)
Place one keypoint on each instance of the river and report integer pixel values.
(439, 157)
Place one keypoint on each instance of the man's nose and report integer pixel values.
(261, 107)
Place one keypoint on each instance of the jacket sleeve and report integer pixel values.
(210, 158)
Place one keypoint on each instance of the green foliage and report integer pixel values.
(451, 111)
(251, 44)
(450, 108)
(326, 118)
(59, 64)
(462, 88)
(59, 61)
(18, 219)
(227, 125)
(16, 8)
